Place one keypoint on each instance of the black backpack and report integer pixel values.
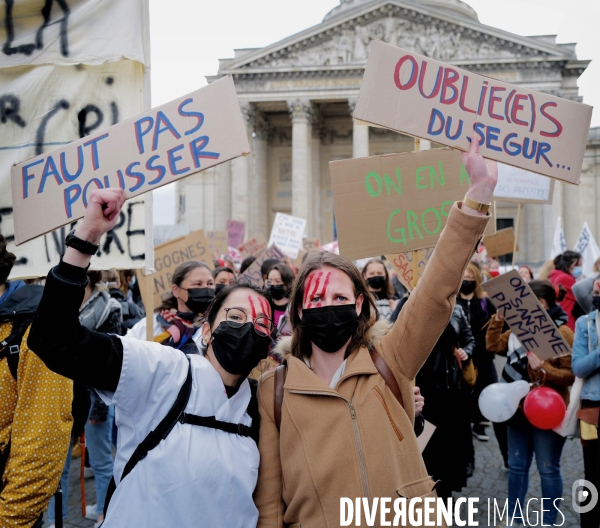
(177, 414)
(19, 308)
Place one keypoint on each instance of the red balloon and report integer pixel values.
(544, 408)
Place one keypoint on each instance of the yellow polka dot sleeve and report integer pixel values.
(35, 414)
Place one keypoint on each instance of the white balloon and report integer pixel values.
(498, 402)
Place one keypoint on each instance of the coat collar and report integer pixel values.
(302, 378)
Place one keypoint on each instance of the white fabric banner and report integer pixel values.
(588, 247)
(45, 103)
(559, 243)
(72, 32)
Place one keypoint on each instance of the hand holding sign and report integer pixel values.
(483, 174)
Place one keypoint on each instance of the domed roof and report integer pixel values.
(455, 7)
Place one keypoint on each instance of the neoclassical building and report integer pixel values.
(297, 96)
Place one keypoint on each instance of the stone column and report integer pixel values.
(223, 195)
(315, 154)
(258, 191)
(209, 205)
(301, 115)
(240, 172)
(360, 135)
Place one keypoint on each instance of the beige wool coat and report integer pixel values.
(356, 440)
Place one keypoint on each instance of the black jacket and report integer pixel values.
(441, 370)
(478, 312)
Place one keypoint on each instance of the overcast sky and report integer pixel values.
(188, 37)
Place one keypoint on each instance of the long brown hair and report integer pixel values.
(301, 346)
(472, 267)
(388, 289)
(169, 301)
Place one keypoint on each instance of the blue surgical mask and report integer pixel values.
(577, 271)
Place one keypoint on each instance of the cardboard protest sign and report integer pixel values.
(169, 255)
(253, 274)
(528, 321)
(425, 98)
(253, 246)
(217, 241)
(180, 138)
(521, 186)
(395, 203)
(287, 234)
(500, 243)
(331, 247)
(235, 233)
(402, 263)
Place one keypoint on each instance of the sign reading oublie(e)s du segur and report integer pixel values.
(425, 98)
(175, 140)
(396, 203)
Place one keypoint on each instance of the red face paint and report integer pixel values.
(324, 290)
(314, 291)
(307, 287)
(251, 301)
(266, 309)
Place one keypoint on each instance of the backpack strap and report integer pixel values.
(280, 375)
(387, 375)
(154, 437)
(380, 365)
(10, 347)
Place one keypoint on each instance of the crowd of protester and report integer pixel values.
(190, 420)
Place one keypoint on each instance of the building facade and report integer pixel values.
(297, 97)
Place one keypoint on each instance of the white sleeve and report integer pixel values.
(151, 377)
(138, 330)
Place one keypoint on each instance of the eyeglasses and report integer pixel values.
(236, 317)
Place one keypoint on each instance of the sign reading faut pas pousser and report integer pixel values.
(417, 95)
(396, 203)
(526, 317)
(170, 142)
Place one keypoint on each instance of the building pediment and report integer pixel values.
(342, 41)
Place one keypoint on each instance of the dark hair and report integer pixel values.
(287, 275)
(7, 261)
(216, 271)
(215, 307)
(389, 288)
(267, 265)
(169, 301)
(564, 261)
(527, 268)
(301, 346)
(544, 289)
(94, 277)
(246, 263)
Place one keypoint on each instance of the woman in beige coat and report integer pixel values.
(337, 428)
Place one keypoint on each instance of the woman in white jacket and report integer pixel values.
(202, 469)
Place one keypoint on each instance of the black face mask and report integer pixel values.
(199, 299)
(467, 287)
(377, 282)
(277, 291)
(330, 327)
(219, 287)
(596, 301)
(238, 350)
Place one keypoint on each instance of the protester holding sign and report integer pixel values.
(523, 438)
(207, 454)
(586, 364)
(567, 269)
(337, 350)
(180, 314)
(479, 309)
(380, 286)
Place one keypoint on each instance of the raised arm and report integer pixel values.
(429, 307)
(56, 335)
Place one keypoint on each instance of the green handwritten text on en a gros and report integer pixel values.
(415, 223)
